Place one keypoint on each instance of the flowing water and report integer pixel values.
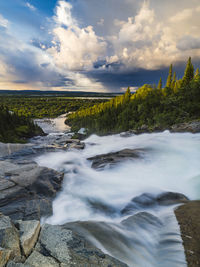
(149, 236)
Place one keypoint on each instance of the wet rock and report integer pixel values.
(147, 200)
(8, 149)
(193, 127)
(71, 249)
(143, 219)
(9, 239)
(27, 190)
(100, 161)
(29, 231)
(36, 259)
(188, 217)
(75, 144)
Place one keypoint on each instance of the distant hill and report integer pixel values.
(56, 93)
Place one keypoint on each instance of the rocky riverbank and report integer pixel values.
(188, 216)
(28, 244)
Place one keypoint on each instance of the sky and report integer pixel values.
(95, 45)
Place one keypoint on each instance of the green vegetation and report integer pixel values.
(150, 107)
(41, 107)
(16, 129)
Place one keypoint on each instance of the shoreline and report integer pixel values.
(188, 219)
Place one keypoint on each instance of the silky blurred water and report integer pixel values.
(170, 162)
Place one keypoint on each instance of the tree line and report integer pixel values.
(155, 107)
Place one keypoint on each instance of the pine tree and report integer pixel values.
(169, 78)
(127, 95)
(197, 75)
(173, 81)
(189, 73)
(160, 84)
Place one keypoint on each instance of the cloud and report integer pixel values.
(3, 22)
(76, 48)
(182, 15)
(31, 7)
(188, 42)
(101, 22)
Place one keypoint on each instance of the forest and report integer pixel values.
(152, 107)
(45, 106)
(16, 129)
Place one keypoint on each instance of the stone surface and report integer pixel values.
(71, 249)
(9, 237)
(27, 190)
(193, 127)
(36, 259)
(29, 231)
(8, 149)
(148, 200)
(14, 264)
(188, 216)
(100, 161)
(4, 256)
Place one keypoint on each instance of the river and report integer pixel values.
(149, 236)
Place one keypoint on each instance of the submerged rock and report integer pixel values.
(100, 161)
(147, 200)
(27, 190)
(188, 216)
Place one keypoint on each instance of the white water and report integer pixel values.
(170, 163)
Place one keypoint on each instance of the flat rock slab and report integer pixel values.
(188, 216)
(27, 190)
(100, 161)
(70, 249)
(36, 259)
(29, 231)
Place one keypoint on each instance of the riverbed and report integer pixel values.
(149, 235)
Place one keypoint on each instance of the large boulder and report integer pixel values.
(188, 216)
(147, 200)
(110, 159)
(27, 190)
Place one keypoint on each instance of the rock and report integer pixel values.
(36, 259)
(71, 249)
(143, 219)
(147, 200)
(188, 217)
(100, 161)
(29, 231)
(27, 190)
(4, 256)
(14, 264)
(9, 238)
(77, 146)
(193, 127)
(8, 149)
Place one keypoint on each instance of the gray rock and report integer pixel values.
(9, 236)
(29, 231)
(71, 249)
(100, 161)
(4, 256)
(36, 259)
(27, 190)
(147, 200)
(193, 127)
(8, 149)
(14, 264)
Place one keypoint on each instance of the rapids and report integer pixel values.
(94, 199)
